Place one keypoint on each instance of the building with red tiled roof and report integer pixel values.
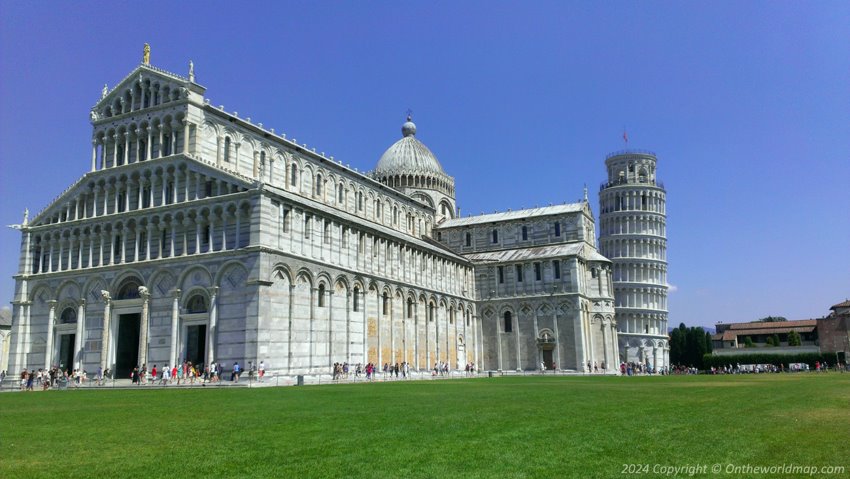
(830, 334)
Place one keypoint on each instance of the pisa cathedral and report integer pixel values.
(198, 235)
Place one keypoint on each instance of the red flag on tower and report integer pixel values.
(625, 137)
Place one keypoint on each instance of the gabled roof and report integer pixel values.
(147, 71)
(843, 304)
(514, 215)
(801, 323)
(71, 191)
(539, 252)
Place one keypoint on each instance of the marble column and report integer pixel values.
(143, 326)
(48, 350)
(107, 316)
(175, 319)
(212, 331)
(78, 337)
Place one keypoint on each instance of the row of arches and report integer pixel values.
(654, 273)
(442, 183)
(143, 93)
(636, 248)
(322, 238)
(129, 142)
(641, 298)
(642, 323)
(144, 187)
(635, 200)
(245, 154)
(655, 225)
(203, 229)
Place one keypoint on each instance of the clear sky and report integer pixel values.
(747, 105)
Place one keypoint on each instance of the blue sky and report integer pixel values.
(747, 105)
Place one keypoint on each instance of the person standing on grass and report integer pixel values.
(261, 371)
(154, 376)
(165, 372)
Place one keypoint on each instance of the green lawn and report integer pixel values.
(501, 427)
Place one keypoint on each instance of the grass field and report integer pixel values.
(501, 427)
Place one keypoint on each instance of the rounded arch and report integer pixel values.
(281, 271)
(196, 300)
(67, 313)
(198, 275)
(163, 281)
(229, 273)
(126, 274)
(68, 289)
(93, 287)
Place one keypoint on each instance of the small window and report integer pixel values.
(360, 200)
(356, 299)
(468, 239)
(439, 236)
(409, 308)
(431, 313)
(525, 233)
(495, 236)
(307, 219)
(385, 304)
(327, 232)
(557, 228)
(321, 295)
(509, 327)
(556, 267)
(197, 304)
(593, 272)
(537, 273)
(285, 220)
(319, 185)
(208, 186)
(68, 316)
(341, 195)
(227, 149)
(519, 273)
(294, 175)
(501, 274)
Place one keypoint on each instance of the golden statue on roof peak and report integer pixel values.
(146, 54)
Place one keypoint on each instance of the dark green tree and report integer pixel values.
(772, 319)
(748, 342)
(769, 341)
(776, 341)
(794, 338)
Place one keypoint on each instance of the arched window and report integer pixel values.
(294, 176)
(129, 289)
(495, 236)
(360, 200)
(468, 239)
(69, 315)
(341, 197)
(431, 312)
(318, 184)
(196, 304)
(378, 210)
(386, 304)
(356, 306)
(321, 295)
(409, 308)
(227, 149)
(508, 324)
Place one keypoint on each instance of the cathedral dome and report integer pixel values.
(408, 156)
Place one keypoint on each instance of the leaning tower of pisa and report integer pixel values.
(633, 234)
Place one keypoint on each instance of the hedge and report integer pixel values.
(711, 360)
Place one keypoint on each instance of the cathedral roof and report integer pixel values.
(408, 156)
(538, 252)
(513, 215)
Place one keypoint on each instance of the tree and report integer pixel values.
(772, 319)
(776, 341)
(769, 341)
(794, 338)
(748, 342)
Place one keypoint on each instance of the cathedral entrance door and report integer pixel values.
(547, 358)
(66, 352)
(196, 342)
(127, 350)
